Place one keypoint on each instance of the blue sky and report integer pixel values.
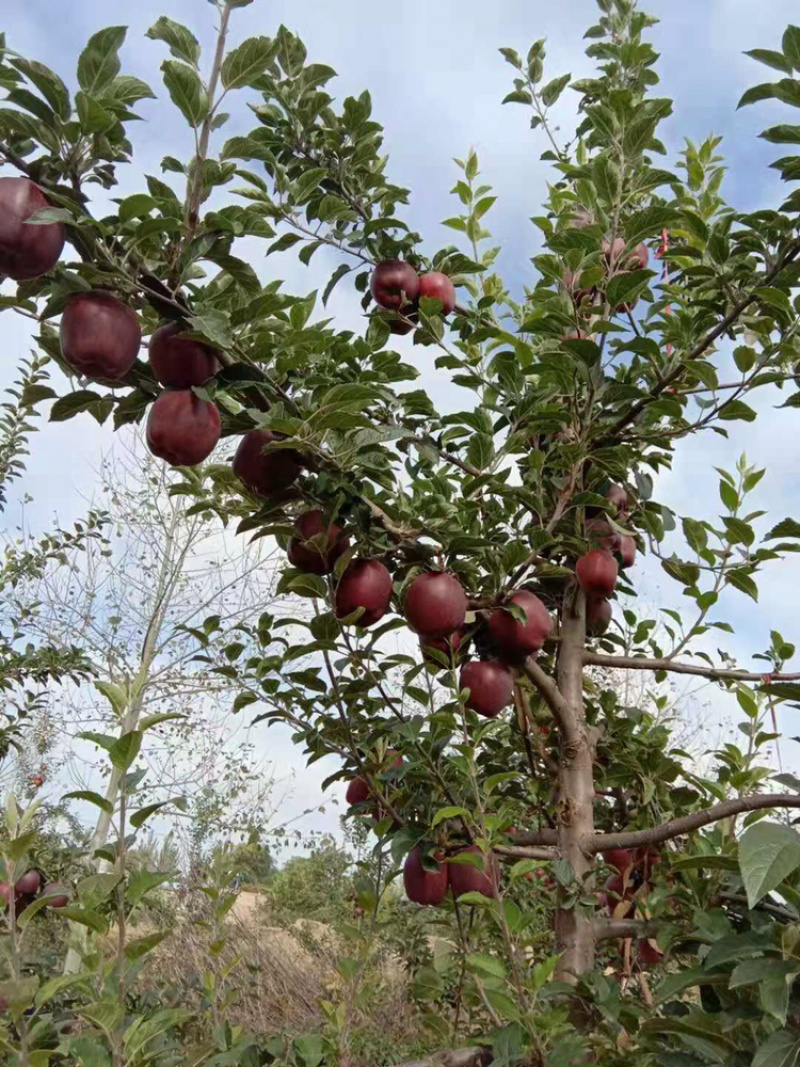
(437, 80)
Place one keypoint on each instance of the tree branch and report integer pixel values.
(609, 929)
(642, 663)
(546, 836)
(514, 852)
(685, 825)
(462, 1057)
(555, 700)
(635, 411)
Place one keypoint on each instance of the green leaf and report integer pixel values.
(781, 1049)
(743, 582)
(140, 946)
(245, 63)
(114, 694)
(136, 206)
(677, 983)
(138, 818)
(776, 60)
(448, 813)
(791, 46)
(768, 853)
(338, 274)
(126, 89)
(48, 83)
(140, 883)
(786, 528)
(737, 409)
(55, 986)
(782, 134)
(748, 972)
(310, 585)
(756, 94)
(81, 400)
(479, 961)
(98, 63)
(606, 178)
(624, 288)
(551, 92)
(92, 115)
(480, 450)
(85, 918)
(92, 798)
(182, 42)
(126, 749)
(186, 90)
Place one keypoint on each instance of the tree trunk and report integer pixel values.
(574, 934)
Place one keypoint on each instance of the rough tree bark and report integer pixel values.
(574, 933)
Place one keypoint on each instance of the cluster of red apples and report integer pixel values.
(622, 890)
(396, 286)
(618, 262)
(28, 887)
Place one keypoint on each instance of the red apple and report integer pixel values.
(437, 286)
(600, 534)
(27, 885)
(178, 361)
(646, 860)
(598, 617)
(357, 792)
(517, 640)
(265, 472)
(365, 584)
(648, 954)
(448, 646)
(320, 555)
(627, 550)
(597, 573)
(100, 336)
(399, 326)
(490, 686)
(58, 896)
(621, 858)
(393, 282)
(423, 886)
(435, 605)
(26, 250)
(464, 878)
(636, 259)
(618, 498)
(181, 428)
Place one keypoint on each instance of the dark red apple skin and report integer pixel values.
(179, 362)
(310, 558)
(448, 646)
(28, 884)
(390, 280)
(517, 640)
(464, 878)
(437, 286)
(100, 336)
(59, 899)
(648, 955)
(490, 684)
(598, 617)
(425, 887)
(181, 428)
(597, 573)
(621, 858)
(357, 792)
(627, 551)
(435, 605)
(265, 473)
(399, 327)
(26, 251)
(365, 584)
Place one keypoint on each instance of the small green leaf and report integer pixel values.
(768, 853)
(449, 813)
(182, 42)
(244, 64)
(126, 749)
(99, 63)
(186, 90)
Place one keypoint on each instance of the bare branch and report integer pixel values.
(642, 663)
(685, 825)
(514, 852)
(462, 1057)
(609, 929)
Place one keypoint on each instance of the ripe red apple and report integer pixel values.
(618, 498)
(422, 886)
(627, 550)
(621, 858)
(28, 884)
(517, 640)
(464, 878)
(181, 428)
(600, 534)
(26, 251)
(365, 584)
(58, 895)
(435, 605)
(448, 646)
(392, 282)
(265, 472)
(490, 686)
(357, 792)
(437, 286)
(317, 557)
(598, 617)
(597, 573)
(100, 336)
(648, 954)
(636, 259)
(178, 361)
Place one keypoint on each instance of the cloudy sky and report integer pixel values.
(437, 80)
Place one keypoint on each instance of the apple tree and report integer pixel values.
(461, 587)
